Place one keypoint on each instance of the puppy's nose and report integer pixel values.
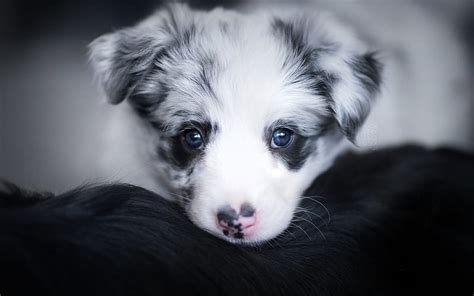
(237, 224)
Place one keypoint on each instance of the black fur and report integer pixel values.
(400, 223)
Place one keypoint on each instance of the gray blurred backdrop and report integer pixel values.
(50, 111)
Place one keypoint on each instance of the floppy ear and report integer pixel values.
(355, 79)
(123, 58)
(354, 71)
(346, 72)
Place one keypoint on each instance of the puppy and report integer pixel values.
(233, 115)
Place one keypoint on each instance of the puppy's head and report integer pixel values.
(243, 111)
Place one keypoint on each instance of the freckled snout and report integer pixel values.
(237, 224)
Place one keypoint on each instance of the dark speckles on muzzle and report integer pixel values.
(236, 224)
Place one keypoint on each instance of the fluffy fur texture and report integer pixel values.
(394, 222)
(235, 78)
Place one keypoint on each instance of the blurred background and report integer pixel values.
(51, 111)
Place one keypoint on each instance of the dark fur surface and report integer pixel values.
(401, 222)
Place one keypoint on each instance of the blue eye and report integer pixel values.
(281, 137)
(193, 138)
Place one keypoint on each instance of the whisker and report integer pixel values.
(284, 234)
(296, 225)
(311, 198)
(276, 242)
(309, 217)
(292, 234)
(304, 210)
(308, 212)
(269, 242)
(317, 228)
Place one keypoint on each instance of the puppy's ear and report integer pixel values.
(354, 80)
(122, 59)
(354, 72)
(344, 71)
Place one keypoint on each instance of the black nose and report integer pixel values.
(227, 215)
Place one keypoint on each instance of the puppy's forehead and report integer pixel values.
(236, 68)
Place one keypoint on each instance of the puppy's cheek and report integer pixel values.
(272, 224)
(276, 215)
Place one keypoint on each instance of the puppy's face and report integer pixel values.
(242, 111)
